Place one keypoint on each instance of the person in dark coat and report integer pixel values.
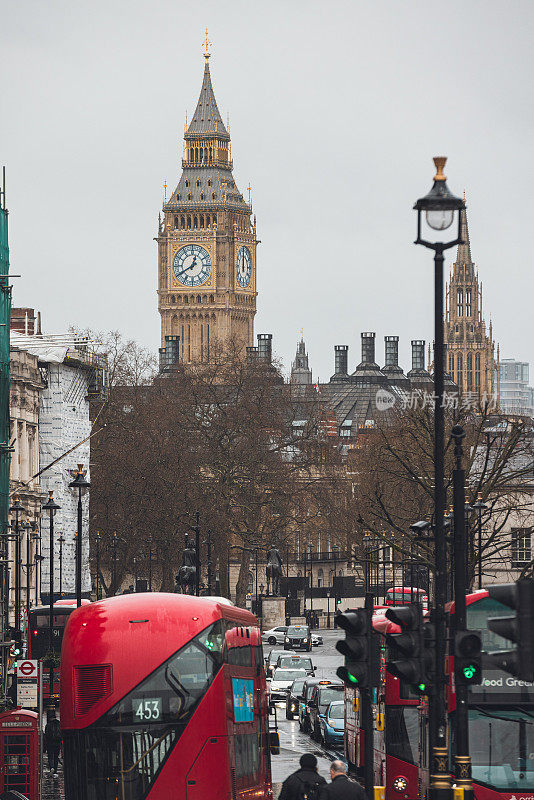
(341, 788)
(305, 781)
(53, 741)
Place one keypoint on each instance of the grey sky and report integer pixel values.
(336, 109)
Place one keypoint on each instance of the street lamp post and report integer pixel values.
(98, 537)
(209, 563)
(28, 526)
(334, 551)
(480, 506)
(51, 506)
(439, 206)
(79, 483)
(61, 541)
(17, 508)
(196, 530)
(115, 542)
(36, 536)
(311, 586)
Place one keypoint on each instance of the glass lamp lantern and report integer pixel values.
(439, 205)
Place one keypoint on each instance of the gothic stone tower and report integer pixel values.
(206, 244)
(470, 351)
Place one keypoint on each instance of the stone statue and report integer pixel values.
(186, 580)
(274, 570)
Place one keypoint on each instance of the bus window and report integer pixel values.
(402, 733)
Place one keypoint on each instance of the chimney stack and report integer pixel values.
(252, 354)
(418, 354)
(368, 348)
(341, 359)
(391, 344)
(265, 347)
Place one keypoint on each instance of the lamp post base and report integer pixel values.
(463, 776)
(440, 778)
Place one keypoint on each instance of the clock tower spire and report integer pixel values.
(206, 244)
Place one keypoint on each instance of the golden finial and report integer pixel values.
(164, 191)
(249, 187)
(302, 334)
(440, 162)
(207, 45)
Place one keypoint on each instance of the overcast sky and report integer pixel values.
(336, 109)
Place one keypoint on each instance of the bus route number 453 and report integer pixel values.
(147, 709)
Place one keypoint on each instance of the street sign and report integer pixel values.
(28, 684)
(28, 669)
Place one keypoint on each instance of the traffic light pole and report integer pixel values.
(462, 758)
(367, 724)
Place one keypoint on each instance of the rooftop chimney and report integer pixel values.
(391, 344)
(265, 347)
(368, 348)
(418, 354)
(252, 354)
(341, 360)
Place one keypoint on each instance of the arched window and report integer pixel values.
(468, 302)
(199, 299)
(182, 221)
(469, 372)
(213, 195)
(211, 299)
(173, 299)
(198, 182)
(189, 196)
(187, 183)
(215, 219)
(201, 151)
(451, 364)
(459, 370)
(188, 221)
(195, 221)
(178, 196)
(176, 222)
(460, 303)
(186, 299)
(202, 198)
(320, 578)
(209, 179)
(477, 372)
(211, 151)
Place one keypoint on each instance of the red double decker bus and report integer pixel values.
(164, 696)
(39, 637)
(501, 722)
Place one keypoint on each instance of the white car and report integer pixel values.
(281, 681)
(275, 635)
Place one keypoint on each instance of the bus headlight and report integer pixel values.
(305, 641)
(400, 784)
(286, 639)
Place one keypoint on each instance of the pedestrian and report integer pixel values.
(53, 741)
(305, 783)
(341, 788)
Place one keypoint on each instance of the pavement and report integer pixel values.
(52, 788)
(293, 743)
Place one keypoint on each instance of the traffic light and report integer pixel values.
(361, 648)
(518, 629)
(409, 653)
(468, 657)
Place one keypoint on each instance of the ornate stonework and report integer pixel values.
(206, 244)
(470, 357)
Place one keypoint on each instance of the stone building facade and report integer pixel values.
(26, 387)
(206, 246)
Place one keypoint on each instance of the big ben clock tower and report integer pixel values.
(206, 245)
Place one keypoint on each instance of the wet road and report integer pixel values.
(293, 743)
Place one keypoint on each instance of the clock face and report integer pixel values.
(192, 265)
(243, 266)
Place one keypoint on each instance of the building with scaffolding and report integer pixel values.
(72, 375)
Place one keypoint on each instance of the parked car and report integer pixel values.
(324, 693)
(298, 637)
(275, 635)
(272, 658)
(292, 699)
(317, 639)
(304, 718)
(333, 723)
(281, 680)
(289, 661)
